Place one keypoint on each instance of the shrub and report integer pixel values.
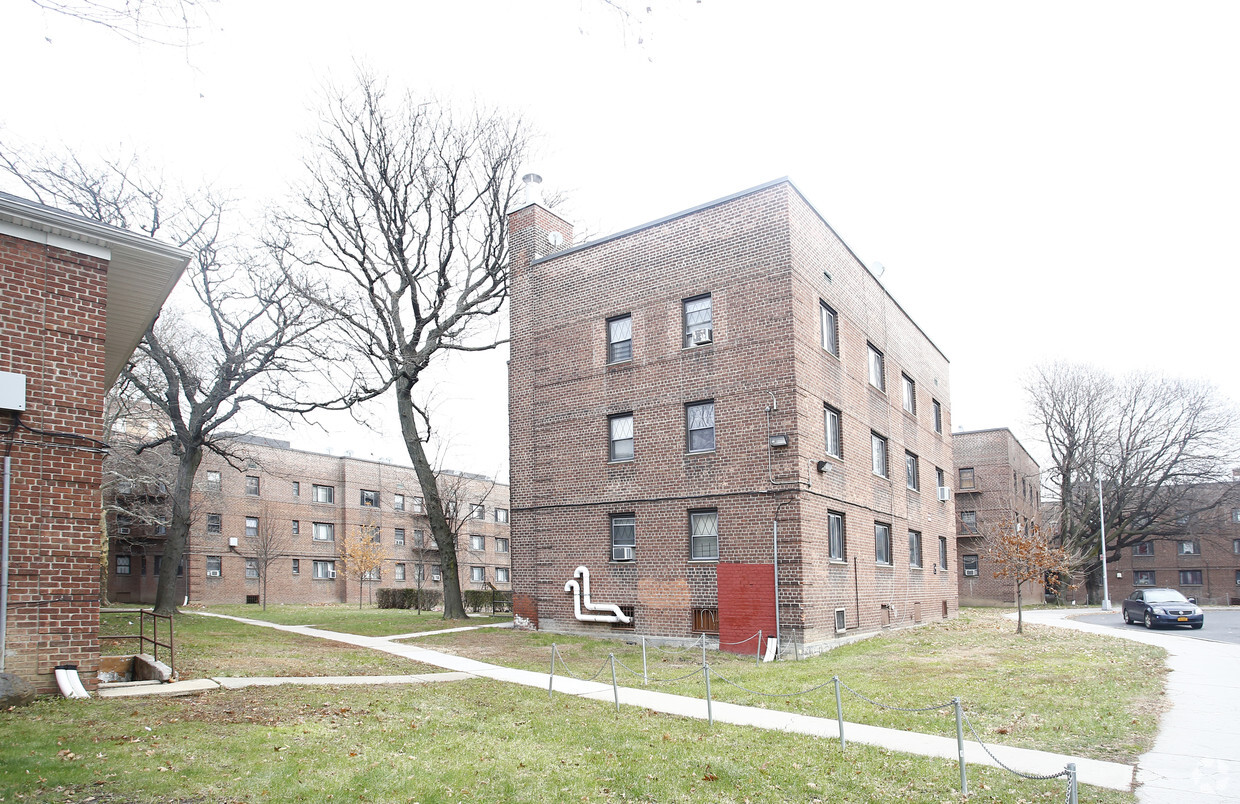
(408, 599)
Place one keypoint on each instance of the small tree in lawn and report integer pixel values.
(362, 555)
(1023, 554)
(271, 545)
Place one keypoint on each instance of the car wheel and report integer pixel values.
(1127, 619)
(1149, 620)
(1195, 626)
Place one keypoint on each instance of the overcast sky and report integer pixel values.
(1043, 180)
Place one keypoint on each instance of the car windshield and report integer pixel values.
(1164, 596)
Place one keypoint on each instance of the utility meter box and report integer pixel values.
(12, 391)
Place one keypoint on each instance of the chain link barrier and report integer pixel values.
(756, 635)
(694, 645)
(564, 664)
(947, 705)
(1031, 776)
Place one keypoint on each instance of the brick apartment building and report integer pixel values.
(1199, 554)
(687, 393)
(997, 483)
(305, 504)
(75, 298)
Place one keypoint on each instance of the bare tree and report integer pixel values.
(1154, 443)
(165, 22)
(405, 208)
(271, 544)
(1023, 554)
(243, 338)
(362, 556)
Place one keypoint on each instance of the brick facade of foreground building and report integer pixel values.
(652, 370)
(75, 297)
(306, 503)
(997, 482)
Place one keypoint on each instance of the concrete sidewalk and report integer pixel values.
(1196, 756)
(1111, 775)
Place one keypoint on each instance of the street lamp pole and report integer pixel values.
(1102, 521)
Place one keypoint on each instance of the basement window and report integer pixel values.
(841, 623)
(706, 621)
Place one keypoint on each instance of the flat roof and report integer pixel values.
(1000, 430)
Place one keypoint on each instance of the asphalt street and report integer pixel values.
(1221, 625)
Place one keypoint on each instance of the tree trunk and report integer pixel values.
(1020, 623)
(265, 588)
(106, 548)
(441, 529)
(178, 531)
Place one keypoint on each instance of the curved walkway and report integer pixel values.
(1196, 756)
(1111, 775)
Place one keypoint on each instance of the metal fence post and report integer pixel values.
(551, 677)
(1072, 783)
(757, 654)
(964, 778)
(615, 691)
(703, 650)
(645, 677)
(710, 715)
(839, 711)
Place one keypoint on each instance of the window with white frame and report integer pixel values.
(882, 543)
(620, 429)
(477, 543)
(835, 536)
(1189, 548)
(911, 478)
(914, 548)
(369, 498)
(419, 505)
(700, 426)
(1235, 546)
(251, 526)
(501, 575)
(213, 480)
(501, 514)
(398, 572)
(436, 570)
(697, 320)
(940, 479)
(215, 567)
(477, 511)
(1143, 578)
(399, 537)
(968, 521)
(1235, 515)
(942, 552)
(878, 454)
(908, 394)
(623, 537)
(878, 371)
(251, 568)
(296, 489)
(419, 538)
(296, 528)
(123, 564)
(398, 502)
(620, 339)
(704, 536)
(215, 523)
(501, 544)
(831, 429)
(938, 415)
(375, 574)
(324, 570)
(251, 485)
(323, 531)
(1143, 549)
(323, 494)
(830, 325)
(971, 565)
(296, 566)
(478, 574)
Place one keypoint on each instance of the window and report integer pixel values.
(418, 505)
(296, 528)
(938, 416)
(477, 511)
(940, 479)
(399, 538)
(398, 502)
(478, 574)
(914, 549)
(969, 560)
(142, 565)
(623, 537)
(831, 424)
(830, 329)
(878, 374)
(296, 566)
(882, 543)
(323, 494)
(841, 621)
(251, 568)
(435, 572)
(908, 394)
(122, 565)
(324, 532)
(215, 523)
(1143, 578)
(700, 424)
(968, 521)
(1235, 546)
(835, 535)
(706, 621)
(966, 479)
(419, 573)
(942, 552)
(296, 489)
(324, 570)
(1235, 515)
(158, 564)
(501, 514)
(214, 567)
(878, 454)
(375, 533)
(1189, 548)
(697, 321)
(1190, 577)
(213, 480)
(370, 498)
(449, 509)
(620, 339)
(1143, 549)
(399, 572)
(704, 536)
(1182, 520)
(375, 574)
(501, 575)
(501, 544)
(477, 543)
(910, 471)
(419, 540)
(251, 485)
(621, 435)
(251, 526)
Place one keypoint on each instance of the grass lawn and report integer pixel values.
(1049, 689)
(210, 646)
(462, 741)
(367, 621)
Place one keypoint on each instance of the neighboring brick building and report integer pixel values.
(676, 389)
(997, 482)
(305, 503)
(1200, 555)
(75, 298)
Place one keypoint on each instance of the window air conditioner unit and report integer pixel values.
(213, 573)
(970, 572)
(232, 541)
(944, 493)
(704, 335)
(622, 554)
(122, 531)
(331, 575)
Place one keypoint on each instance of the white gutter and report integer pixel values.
(69, 683)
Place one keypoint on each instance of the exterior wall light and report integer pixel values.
(778, 440)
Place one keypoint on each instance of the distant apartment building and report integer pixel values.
(997, 485)
(701, 399)
(305, 504)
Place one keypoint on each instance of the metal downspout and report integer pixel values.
(4, 564)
